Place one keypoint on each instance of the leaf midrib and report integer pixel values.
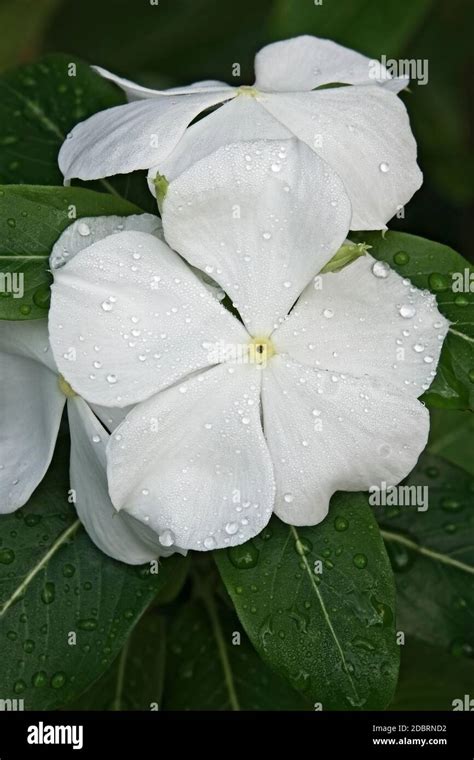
(445, 559)
(18, 592)
(325, 614)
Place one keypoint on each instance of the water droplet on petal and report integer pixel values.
(166, 538)
(380, 269)
(83, 229)
(407, 312)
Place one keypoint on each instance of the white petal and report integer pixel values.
(306, 62)
(269, 215)
(367, 321)
(110, 416)
(28, 338)
(31, 406)
(328, 432)
(364, 134)
(238, 120)
(116, 534)
(89, 229)
(137, 91)
(396, 84)
(128, 318)
(195, 465)
(133, 136)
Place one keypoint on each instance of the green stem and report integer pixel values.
(208, 599)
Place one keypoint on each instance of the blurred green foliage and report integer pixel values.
(167, 42)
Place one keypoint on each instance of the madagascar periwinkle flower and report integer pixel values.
(308, 384)
(329, 97)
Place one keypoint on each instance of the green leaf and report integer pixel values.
(39, 104)
(211, 664)
(432, 554)
(57, 588)
(452, 437)
(135, 680)
(31, 220)
(366, 25)
(430, 679)
(441, 270)
(330, 633)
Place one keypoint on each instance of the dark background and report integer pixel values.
(179, 41)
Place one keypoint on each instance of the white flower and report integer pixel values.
(361, 130)
(312, 399)
(31, 406)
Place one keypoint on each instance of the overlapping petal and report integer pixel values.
(363, 134)
(128, 317)
(329, 432)
(262, 218)
(368, 322)
(31, 406)
(303, 63)
(137, 91)
(200, 474)
(134, 136)
(116, 534)
(89, 229)
(240, 120)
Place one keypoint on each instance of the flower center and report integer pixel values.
(261, 350)
(65, 388)
(245, 89)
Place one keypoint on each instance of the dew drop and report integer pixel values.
(407, 312)
(83, 229)
(341, 524)
(401, 258)
(58, 680)
(245, 556)
(438, 282)
(380, 269)
(166, 538)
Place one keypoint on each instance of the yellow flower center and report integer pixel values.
(261, 350)
(251, 92)
(65, 388)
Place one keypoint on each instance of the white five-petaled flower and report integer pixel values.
(31, 406)
(323, 393)
(361, 130)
